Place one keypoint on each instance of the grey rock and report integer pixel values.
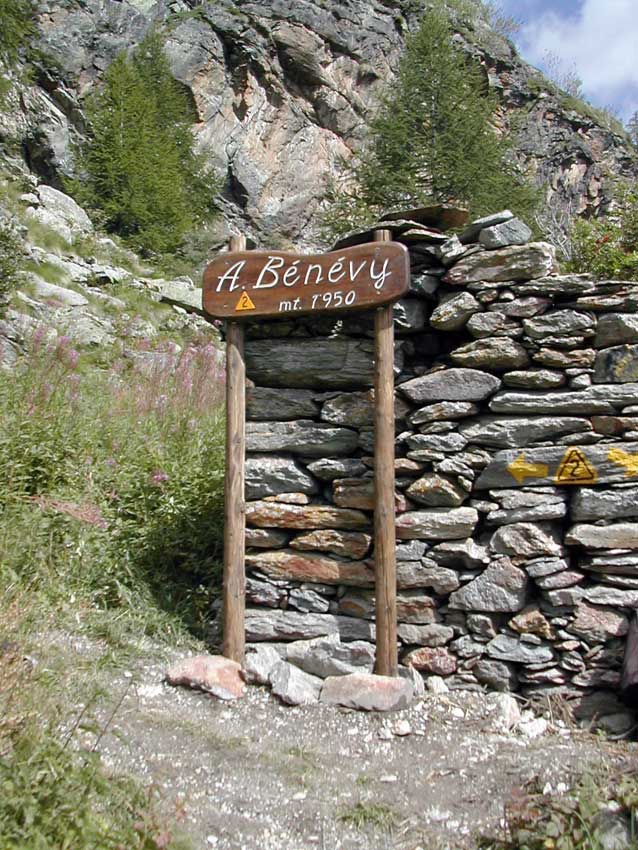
(182, 293)
(61, 213)
(412, 551)
(598, 625)
(443, 410)
(612, 829)
(265, 514)
(483, 325)
(409, 315)
(602, 464)
(525, 540)
(357, 409)
(439, 579)
(497, 675)
(329, 469)
(602, 595)
(501, 587)
(461, 553)
(87, 329)
(269, 476)
(623, 563)
(564, 597)
(346, 544)
(367, 692)
(534, 379)
(565, 578)
(512, 232)
(293, 686)
(312, 363)
(432, 634)
(303, 436)
(560, 323)
(617, 365)
(259, 663)
(454, 311)
(436, 490)
(615, 329)
(472, 231)
(57, 294)
(518, 262)
(502, 431)
(306, 599)
(274, 625)
(620, 535)
(508, 648)
(437, 524)
(450, 250)
(494, 354)
(545, 567)
(482, 625)
(445, 443)
(540, 513)
(466, 647)
(327, 656)
(266, 593)
(265, 538)
(450, 385)
(265, 403)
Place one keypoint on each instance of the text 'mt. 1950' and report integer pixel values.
(251, 284)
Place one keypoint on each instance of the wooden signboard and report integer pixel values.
(243, 285)
(253, 284)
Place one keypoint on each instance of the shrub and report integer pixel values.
(10, 259)
(141, 168)
(608, 247)
(432, 139)
(111, 481)
(17, 28)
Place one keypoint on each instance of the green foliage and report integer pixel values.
(11, 256)
(537, 821)
(17, 19)
(141, 168)
(432, 139)
(608, 247)
(111, 483)
(363, 815)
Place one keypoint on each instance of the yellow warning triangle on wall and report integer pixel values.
(575, 468)
(245, 302)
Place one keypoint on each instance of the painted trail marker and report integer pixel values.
(243, 285)
(253, 284)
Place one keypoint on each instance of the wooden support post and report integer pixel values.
(384, 523)
(234, 499)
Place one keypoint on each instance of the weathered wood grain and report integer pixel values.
(252, 284)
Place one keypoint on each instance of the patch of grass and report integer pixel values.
(47, 238)
(363, 815)
(576, 820)
(49, 272)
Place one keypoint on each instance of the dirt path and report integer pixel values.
(255, 775)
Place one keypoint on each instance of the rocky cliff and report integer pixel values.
(282, 93)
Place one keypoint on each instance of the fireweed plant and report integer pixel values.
(111, 485)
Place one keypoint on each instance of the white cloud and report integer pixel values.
(599, 41)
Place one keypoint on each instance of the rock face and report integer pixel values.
(285, 90)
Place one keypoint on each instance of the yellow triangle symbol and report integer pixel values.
(244, 302)
(575, 469)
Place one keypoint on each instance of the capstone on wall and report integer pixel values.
(516, 471)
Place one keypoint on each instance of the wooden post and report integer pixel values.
(386, 662)
(234, 594)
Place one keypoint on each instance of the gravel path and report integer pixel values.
(255, 775)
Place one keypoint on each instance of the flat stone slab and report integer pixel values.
(328, 656)
(268, 475)
(367, 692)
(456, 384)
(294, 686)
(437, 524)
(303, 437)
(274, 625)
(566, 466)
(275, 515)
(311, 567)
(213, 674)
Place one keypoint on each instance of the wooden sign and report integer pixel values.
(252, 284)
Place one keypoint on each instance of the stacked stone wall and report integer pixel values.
(516, 470)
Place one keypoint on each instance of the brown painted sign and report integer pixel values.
(250, 284)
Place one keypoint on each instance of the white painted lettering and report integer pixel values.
(354, 272)
(311, 267)
(333, 271)
(291, 278)
(271, 266)
(231, 275)
(380, 278)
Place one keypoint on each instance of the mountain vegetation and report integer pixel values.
(433, 139)
(141, 169)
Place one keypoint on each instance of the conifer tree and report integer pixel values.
(141, 168)
(433, 138)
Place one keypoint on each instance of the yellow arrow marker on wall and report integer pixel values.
(520, 469)
(624, 459)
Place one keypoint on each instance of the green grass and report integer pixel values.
(363, 815)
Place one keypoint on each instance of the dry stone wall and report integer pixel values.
(516, 473)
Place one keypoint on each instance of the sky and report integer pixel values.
(595, 39)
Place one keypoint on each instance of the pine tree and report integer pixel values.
(141, 168)
(432, 138)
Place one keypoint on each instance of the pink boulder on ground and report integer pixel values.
(213, 674)
(367, 692)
